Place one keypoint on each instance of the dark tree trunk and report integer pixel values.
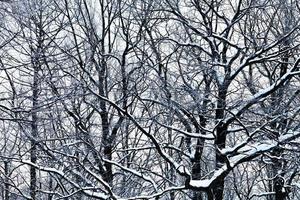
(34, 134)
(196, 169)
(6, 183)
(106, 139)
(50, 196)
(220, 141)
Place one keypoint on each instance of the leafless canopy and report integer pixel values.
(148, 99)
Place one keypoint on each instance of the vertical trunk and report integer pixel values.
(278, 127)
(196, 169)
(50, 187)
(172, 193)
(77, 155)
(221, 133)
(171, 170)
(278, 182)
(164, 78)
(220, 143)
(37, 54)
(126, 155)
(34, 134)
(106, 139)
(6, 183)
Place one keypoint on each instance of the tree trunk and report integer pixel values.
(196, 169)
(220, 141)
(106, 139)
(6, 183)
(34, 134)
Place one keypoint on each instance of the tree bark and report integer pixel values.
(6, 183)
(34, 134)
(220, 141)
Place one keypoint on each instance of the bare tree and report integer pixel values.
(168, 99)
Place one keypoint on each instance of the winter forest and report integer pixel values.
(150, 99)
